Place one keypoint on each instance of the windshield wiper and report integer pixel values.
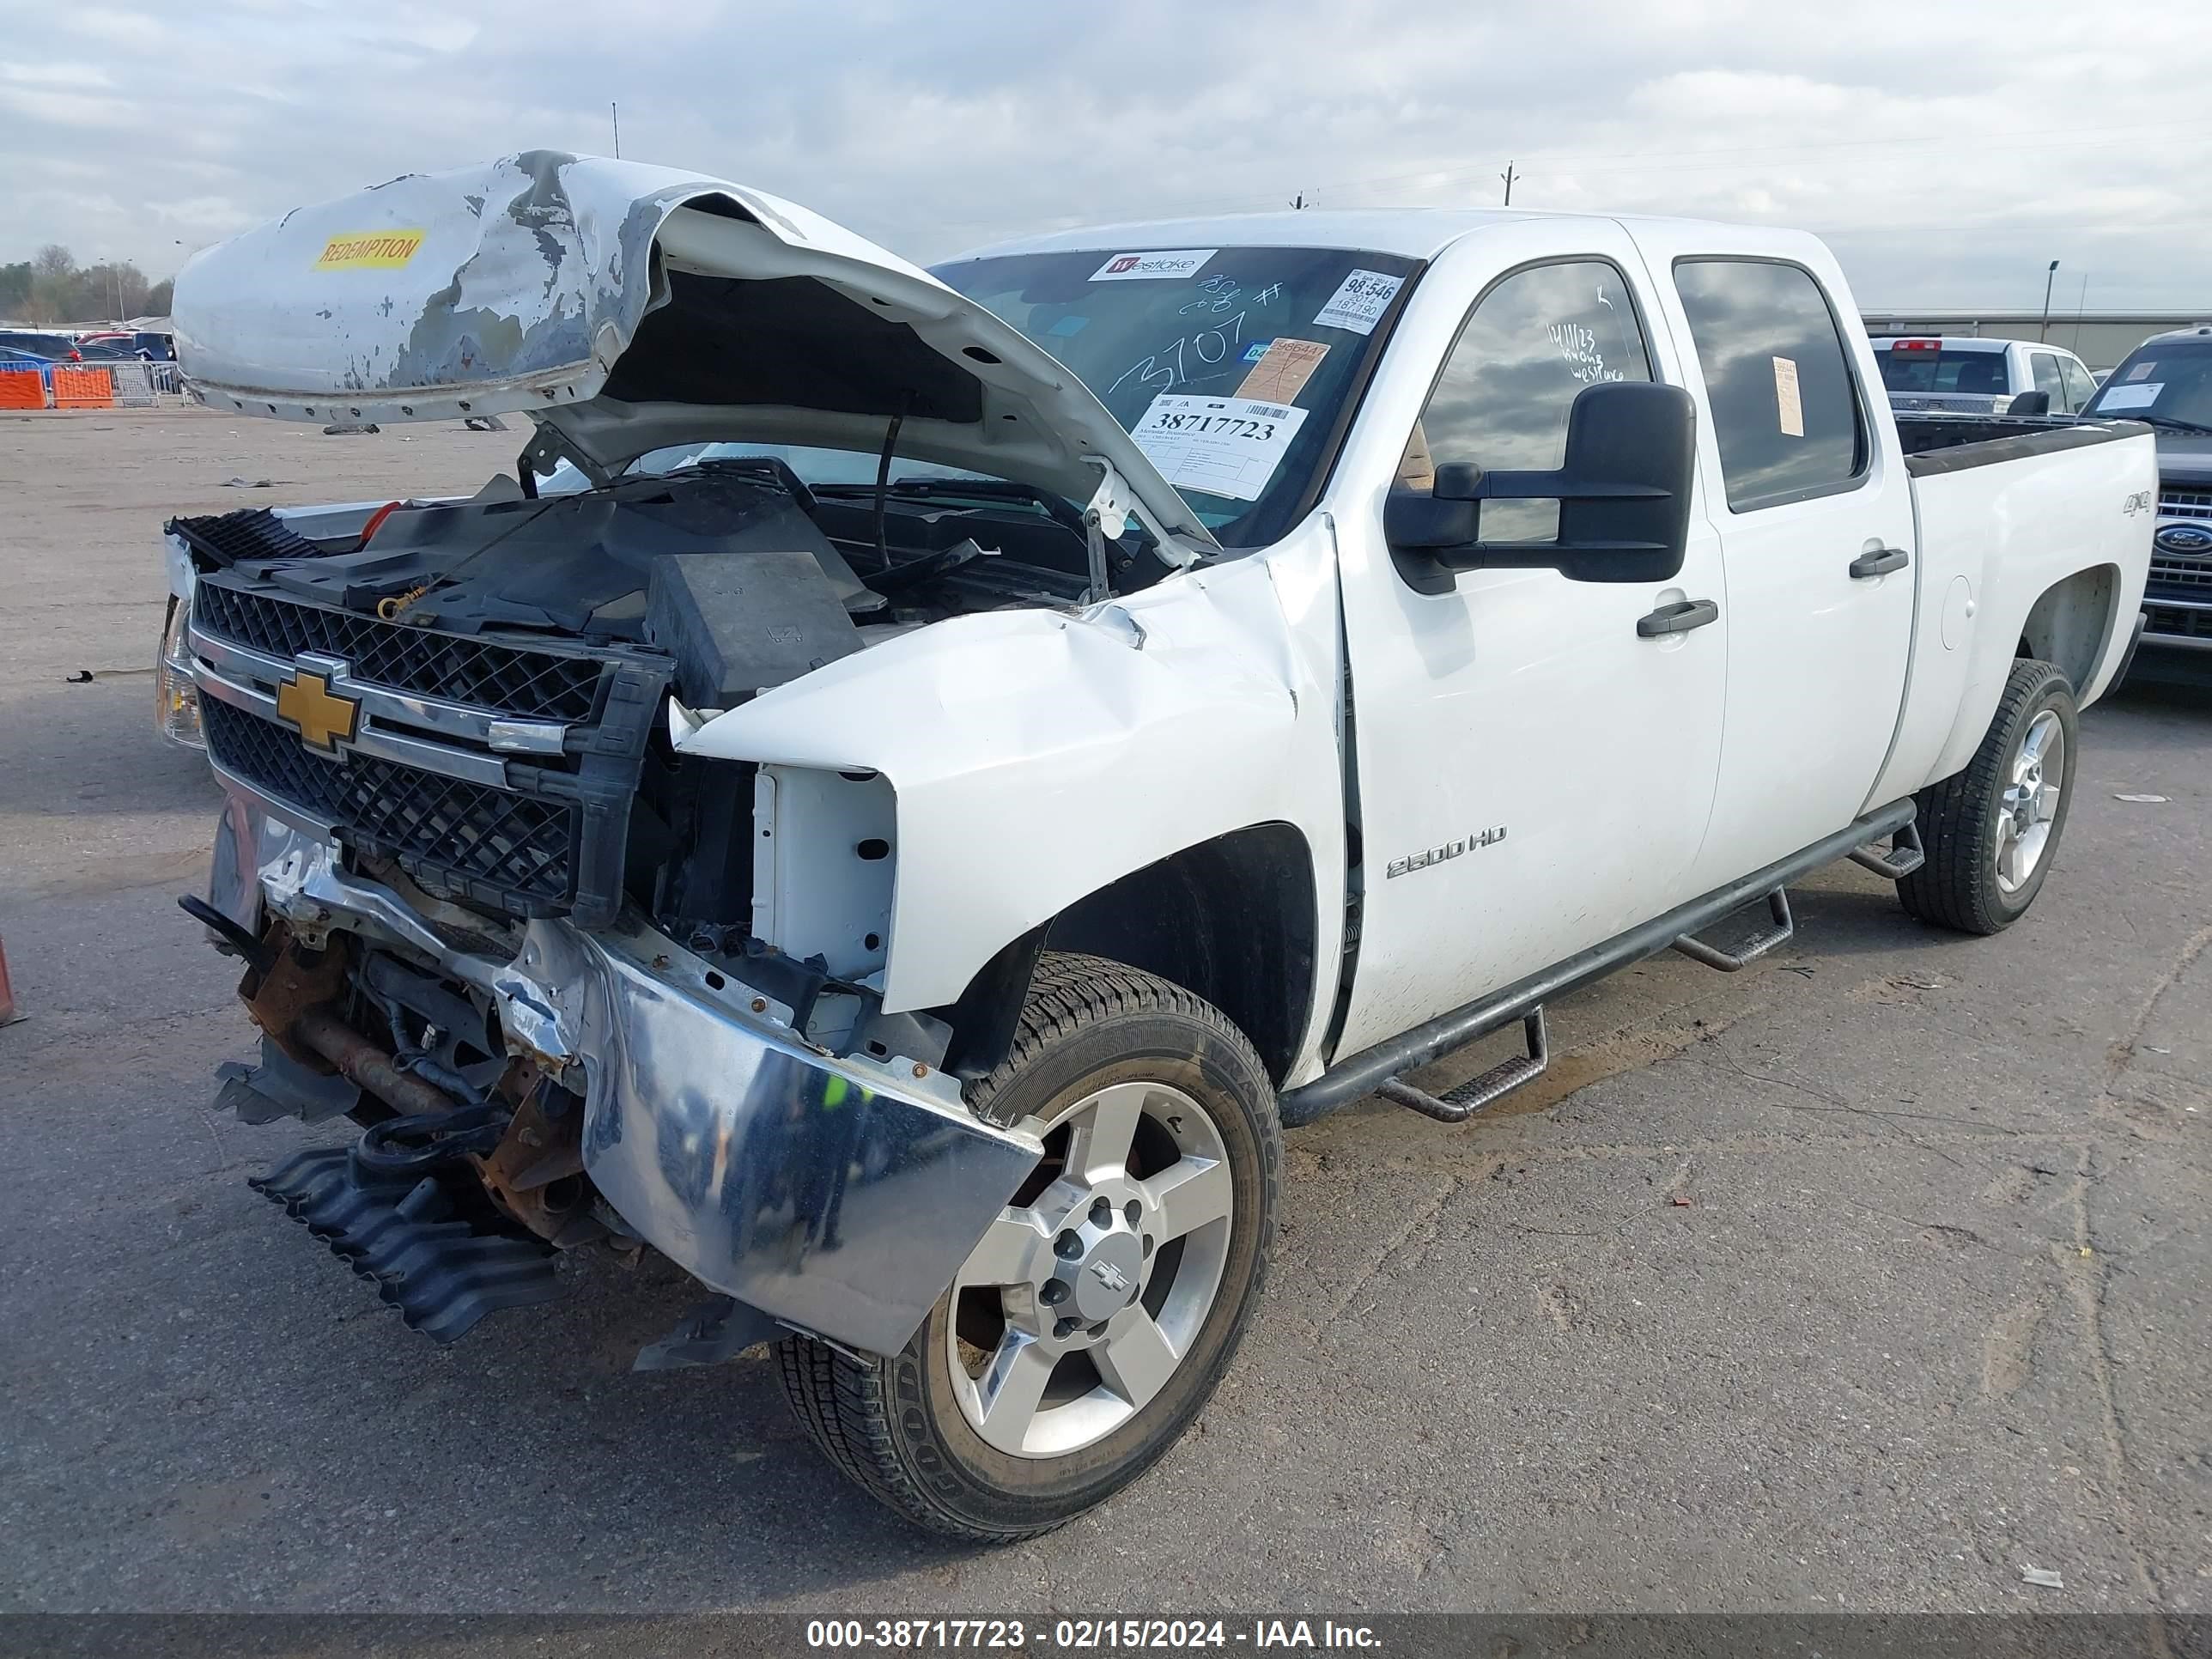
(2172, 423)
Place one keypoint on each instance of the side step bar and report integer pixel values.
(1480, 1093)
(1905, 855)
(1364, 1072)
(1753, 945)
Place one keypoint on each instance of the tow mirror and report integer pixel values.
(1623, 491)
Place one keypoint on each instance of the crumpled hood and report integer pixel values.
(625, 307)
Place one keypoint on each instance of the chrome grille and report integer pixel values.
(2184, 504)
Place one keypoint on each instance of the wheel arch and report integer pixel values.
(1233, 919)
(2072, 624)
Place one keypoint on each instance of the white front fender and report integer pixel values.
(1036, 756)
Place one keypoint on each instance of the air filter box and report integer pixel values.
(738, 624)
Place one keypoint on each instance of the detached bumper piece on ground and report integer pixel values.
(442, 1270)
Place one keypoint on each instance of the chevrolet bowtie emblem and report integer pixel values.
(306, 701)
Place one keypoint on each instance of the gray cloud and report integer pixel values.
(1949, 151)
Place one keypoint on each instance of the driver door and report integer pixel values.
(1534, 776)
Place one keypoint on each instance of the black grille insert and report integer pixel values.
(535, 684)
(473, 836)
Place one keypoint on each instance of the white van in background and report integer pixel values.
(1964, 375)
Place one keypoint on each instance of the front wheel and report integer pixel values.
(1992, 830)
(1092, 1321)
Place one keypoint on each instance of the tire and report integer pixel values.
(1097, 1044)
(1977, 877)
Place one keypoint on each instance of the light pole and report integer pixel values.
(2049, 278)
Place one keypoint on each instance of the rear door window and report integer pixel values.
(2080, 387)
(1785, 409)
(2047, 380)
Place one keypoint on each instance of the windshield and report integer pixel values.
(1231, 368)
(2161, 381)
(1981, 373)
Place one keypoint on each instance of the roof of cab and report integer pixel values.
(1413, 233)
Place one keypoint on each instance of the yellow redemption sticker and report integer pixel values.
(363, 250)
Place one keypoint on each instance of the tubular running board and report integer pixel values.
(443, 1272)
(1480, 1092)
(1742, 952)
(1367, 1070)
(1905, 855)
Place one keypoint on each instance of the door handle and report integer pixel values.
(1678, 618)
(1880, 563)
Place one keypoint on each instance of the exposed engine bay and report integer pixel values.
(466, 708)
(571, 617)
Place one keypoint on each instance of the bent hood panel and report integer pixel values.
(625, 307)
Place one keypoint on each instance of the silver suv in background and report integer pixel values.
(1966, 375)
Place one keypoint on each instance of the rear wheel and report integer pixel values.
(1092, 1321)
(1991, 830)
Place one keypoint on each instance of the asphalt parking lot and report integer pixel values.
(1864, 1278)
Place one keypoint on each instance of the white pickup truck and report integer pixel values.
(919, 777)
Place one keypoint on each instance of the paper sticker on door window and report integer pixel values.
(1282, 370)
(2142, 395)
(1223, 445)
(1359, 302)
(1788, 408)
(1170, 262)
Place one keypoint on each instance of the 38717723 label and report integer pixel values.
(1228, 447)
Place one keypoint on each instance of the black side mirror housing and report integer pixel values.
(2029, 403)
(1624, 495)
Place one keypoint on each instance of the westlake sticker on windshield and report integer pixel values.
(366, 250)
(1140, 267)
(1359, 302)
(1223, 445)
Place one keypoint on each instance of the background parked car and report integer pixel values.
(114, 345)
(1968, 376)
(50, 348)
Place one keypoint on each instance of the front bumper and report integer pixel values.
(838, 1195)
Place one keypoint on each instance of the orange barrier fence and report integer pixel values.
(23, 388)
(83, 388)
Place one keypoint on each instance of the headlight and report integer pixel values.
(176, 699)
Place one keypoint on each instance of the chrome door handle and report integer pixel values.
(1678, 618)
(1880, 563)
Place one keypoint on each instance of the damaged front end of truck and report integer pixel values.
(528, 881)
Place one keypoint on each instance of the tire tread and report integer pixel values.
(1956, 886)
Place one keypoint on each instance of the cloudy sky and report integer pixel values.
(1949, 149)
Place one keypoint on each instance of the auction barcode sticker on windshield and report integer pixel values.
(1224, 445)
(1359, 302)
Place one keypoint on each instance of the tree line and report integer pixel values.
(52, 288)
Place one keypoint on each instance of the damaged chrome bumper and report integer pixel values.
(838, 1195)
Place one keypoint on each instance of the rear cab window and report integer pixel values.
(1911, 366)
(1785, 408)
